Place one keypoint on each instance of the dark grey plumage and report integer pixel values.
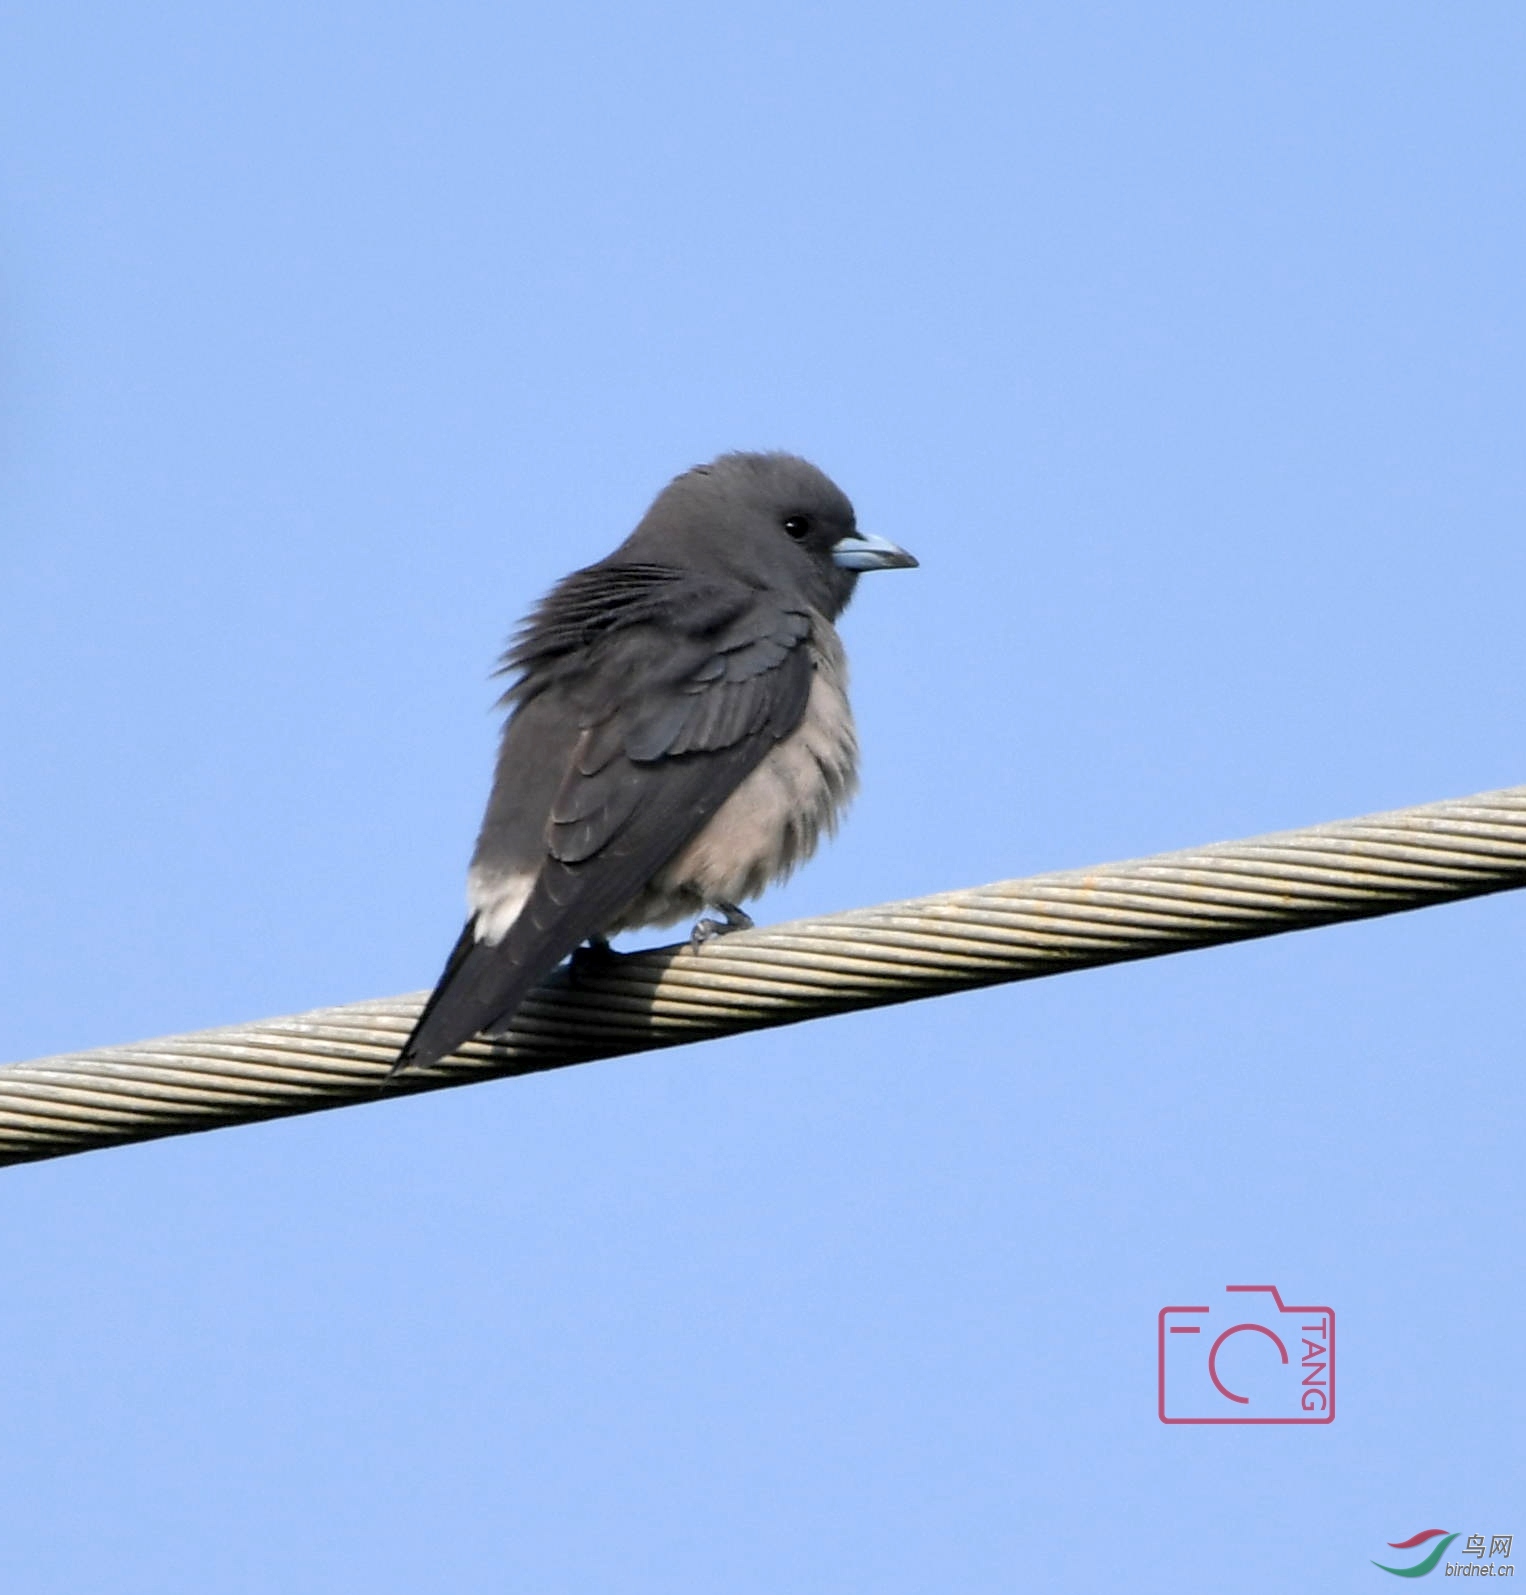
(679, 736)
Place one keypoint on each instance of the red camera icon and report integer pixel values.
(1252, 1359)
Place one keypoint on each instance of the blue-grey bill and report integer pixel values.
(863, 552)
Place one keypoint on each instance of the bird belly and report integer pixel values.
(775, 819)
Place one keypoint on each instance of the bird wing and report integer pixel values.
(645, 697)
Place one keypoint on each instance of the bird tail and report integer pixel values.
(479, 987)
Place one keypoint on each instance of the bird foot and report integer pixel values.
(709, 929)
(594, 958)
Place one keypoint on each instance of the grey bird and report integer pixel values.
(679, 734)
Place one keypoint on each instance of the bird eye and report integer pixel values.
(798, 526)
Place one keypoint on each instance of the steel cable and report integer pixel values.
(1013, 930)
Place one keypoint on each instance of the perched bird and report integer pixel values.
(680, 735)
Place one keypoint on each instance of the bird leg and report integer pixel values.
(709, 929)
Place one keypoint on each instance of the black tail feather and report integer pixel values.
(480, 985)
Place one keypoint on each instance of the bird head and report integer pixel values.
(771, 520)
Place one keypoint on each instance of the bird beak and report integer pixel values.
(862, 552)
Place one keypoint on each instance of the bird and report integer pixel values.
(678, 738)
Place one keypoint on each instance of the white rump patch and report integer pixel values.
(496, 900)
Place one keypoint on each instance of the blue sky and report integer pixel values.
(1186, 346)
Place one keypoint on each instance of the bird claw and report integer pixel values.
(708, 929)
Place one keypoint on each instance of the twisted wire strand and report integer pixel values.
(897, 952)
